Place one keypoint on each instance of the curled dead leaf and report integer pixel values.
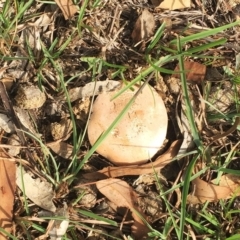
(207, 191)
(7, 191)
(62, 149)
(232, 182)
(40, 192)
(144, 26)
(174, 4)
(160, 163)
(92, 89)
(195, 72)
(122, 195)
(156, 3)
(67, 7)
(6, 124)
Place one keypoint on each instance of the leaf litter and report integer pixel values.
(174, 4)
(7, 192)
(144, 27)
(113, 32)
(40, 192)
(121, 194)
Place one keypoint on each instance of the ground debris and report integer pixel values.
(55, 58)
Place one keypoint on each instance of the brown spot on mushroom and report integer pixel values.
(138, 135)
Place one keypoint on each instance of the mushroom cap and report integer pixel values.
(138, 135)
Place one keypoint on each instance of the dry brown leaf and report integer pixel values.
(13, 141)
(122, 195)
(8, 82)
(195, 72)
(40, 192)
(57, 228)
(6, 124)
(67, 7)
(144, 26)
(232, 182)
(175, 4)
(156, 3)
(160, 163)
(209, 192)
(33, 32)
(7, 190)
(92, 89)
(203, 191)
(62, 149)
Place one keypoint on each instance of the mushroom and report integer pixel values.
(138, 135)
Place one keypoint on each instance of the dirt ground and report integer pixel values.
(49, 62)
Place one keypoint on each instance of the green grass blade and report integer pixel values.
(146, 72)
(204, 34)
(200, 227)
(185, 190)
(207, 46)
(234, 237)
(81, 15)
(230, 171)
(97, 217)
(2, 230)
(156, 38)
(186, 99)
(22, 9)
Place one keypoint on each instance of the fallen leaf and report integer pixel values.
(160, 163)
(57, 228)
(32, 34)
(44, 21)
(195, 72)
(62, 149)
(207, 191)
(231, 181)
(93, 88)
(156, 3)
(122, 195)
(26, 121)
(13, 141)
(144, 26)
(175, 4)
(8, 82)
(67, 7)
(6, 124)
(40, 192)
(7, 191)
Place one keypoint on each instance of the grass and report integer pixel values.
(185, 222)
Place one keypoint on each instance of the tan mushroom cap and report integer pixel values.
(138, 135)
